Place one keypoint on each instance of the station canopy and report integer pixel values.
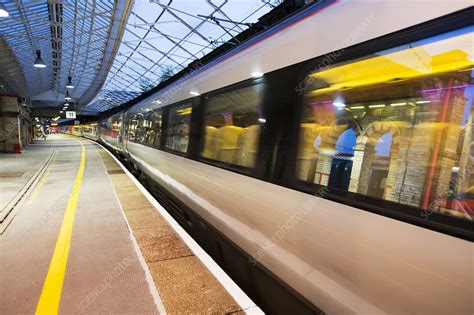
(77, 39)
(112, 50)
(163, 36)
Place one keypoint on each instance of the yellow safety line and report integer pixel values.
(52, 288)
(40, 183)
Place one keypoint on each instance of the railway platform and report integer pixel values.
(80, 235)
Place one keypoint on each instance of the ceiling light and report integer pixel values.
(67, 97)
(422, 102)
(262, 120)
(398, 104)
(3, 10)
(257, 74)
(39, 63)
(69, 84)
(61, 111)
(339, 104)
(357, 107)
(194, 93)
(377, 106)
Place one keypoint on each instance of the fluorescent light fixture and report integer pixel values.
(61, 111)
(262, 120)
(339, 104)
(39, 63)
(422, 102)
(377, 106)
(257, 74)
(398, 104)
(157, 102)
(67, 97)
(194, 93)
(357, 107)
(56, 118)
(3, 10)
(69, 84)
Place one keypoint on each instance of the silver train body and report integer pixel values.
(339, 258)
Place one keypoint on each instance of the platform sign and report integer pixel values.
(70, 114)
(77, 122)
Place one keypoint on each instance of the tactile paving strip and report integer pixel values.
(183, 282)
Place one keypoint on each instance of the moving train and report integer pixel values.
(85, 130)
(326, 163)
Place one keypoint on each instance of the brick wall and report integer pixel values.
(10, 138)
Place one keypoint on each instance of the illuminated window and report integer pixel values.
(179, 119)
(396, 125)
(154, 132)
(232, 126)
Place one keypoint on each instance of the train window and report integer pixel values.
(232, 126)
(142, 125)
(132, 128)
(146, 128)
(396, 125)
(179, 118)
(112, 126)
(153, 133)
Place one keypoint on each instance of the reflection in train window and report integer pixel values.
(112, 126)
(397, 125)
(232, 126)
(132, 128)
(153, 131)
(179, 118)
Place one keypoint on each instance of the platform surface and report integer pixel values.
(16, 169)
(122, 257)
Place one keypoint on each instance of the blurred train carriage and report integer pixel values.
(368, 145)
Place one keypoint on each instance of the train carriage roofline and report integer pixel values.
(378, 23)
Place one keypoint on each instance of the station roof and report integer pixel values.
(116, 50)
(162, 37)
(75, 38)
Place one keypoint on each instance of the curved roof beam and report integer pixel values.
(121, 11)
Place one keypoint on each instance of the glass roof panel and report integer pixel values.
(163, 37)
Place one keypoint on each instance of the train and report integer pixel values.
(326, 163)
(88, 130)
